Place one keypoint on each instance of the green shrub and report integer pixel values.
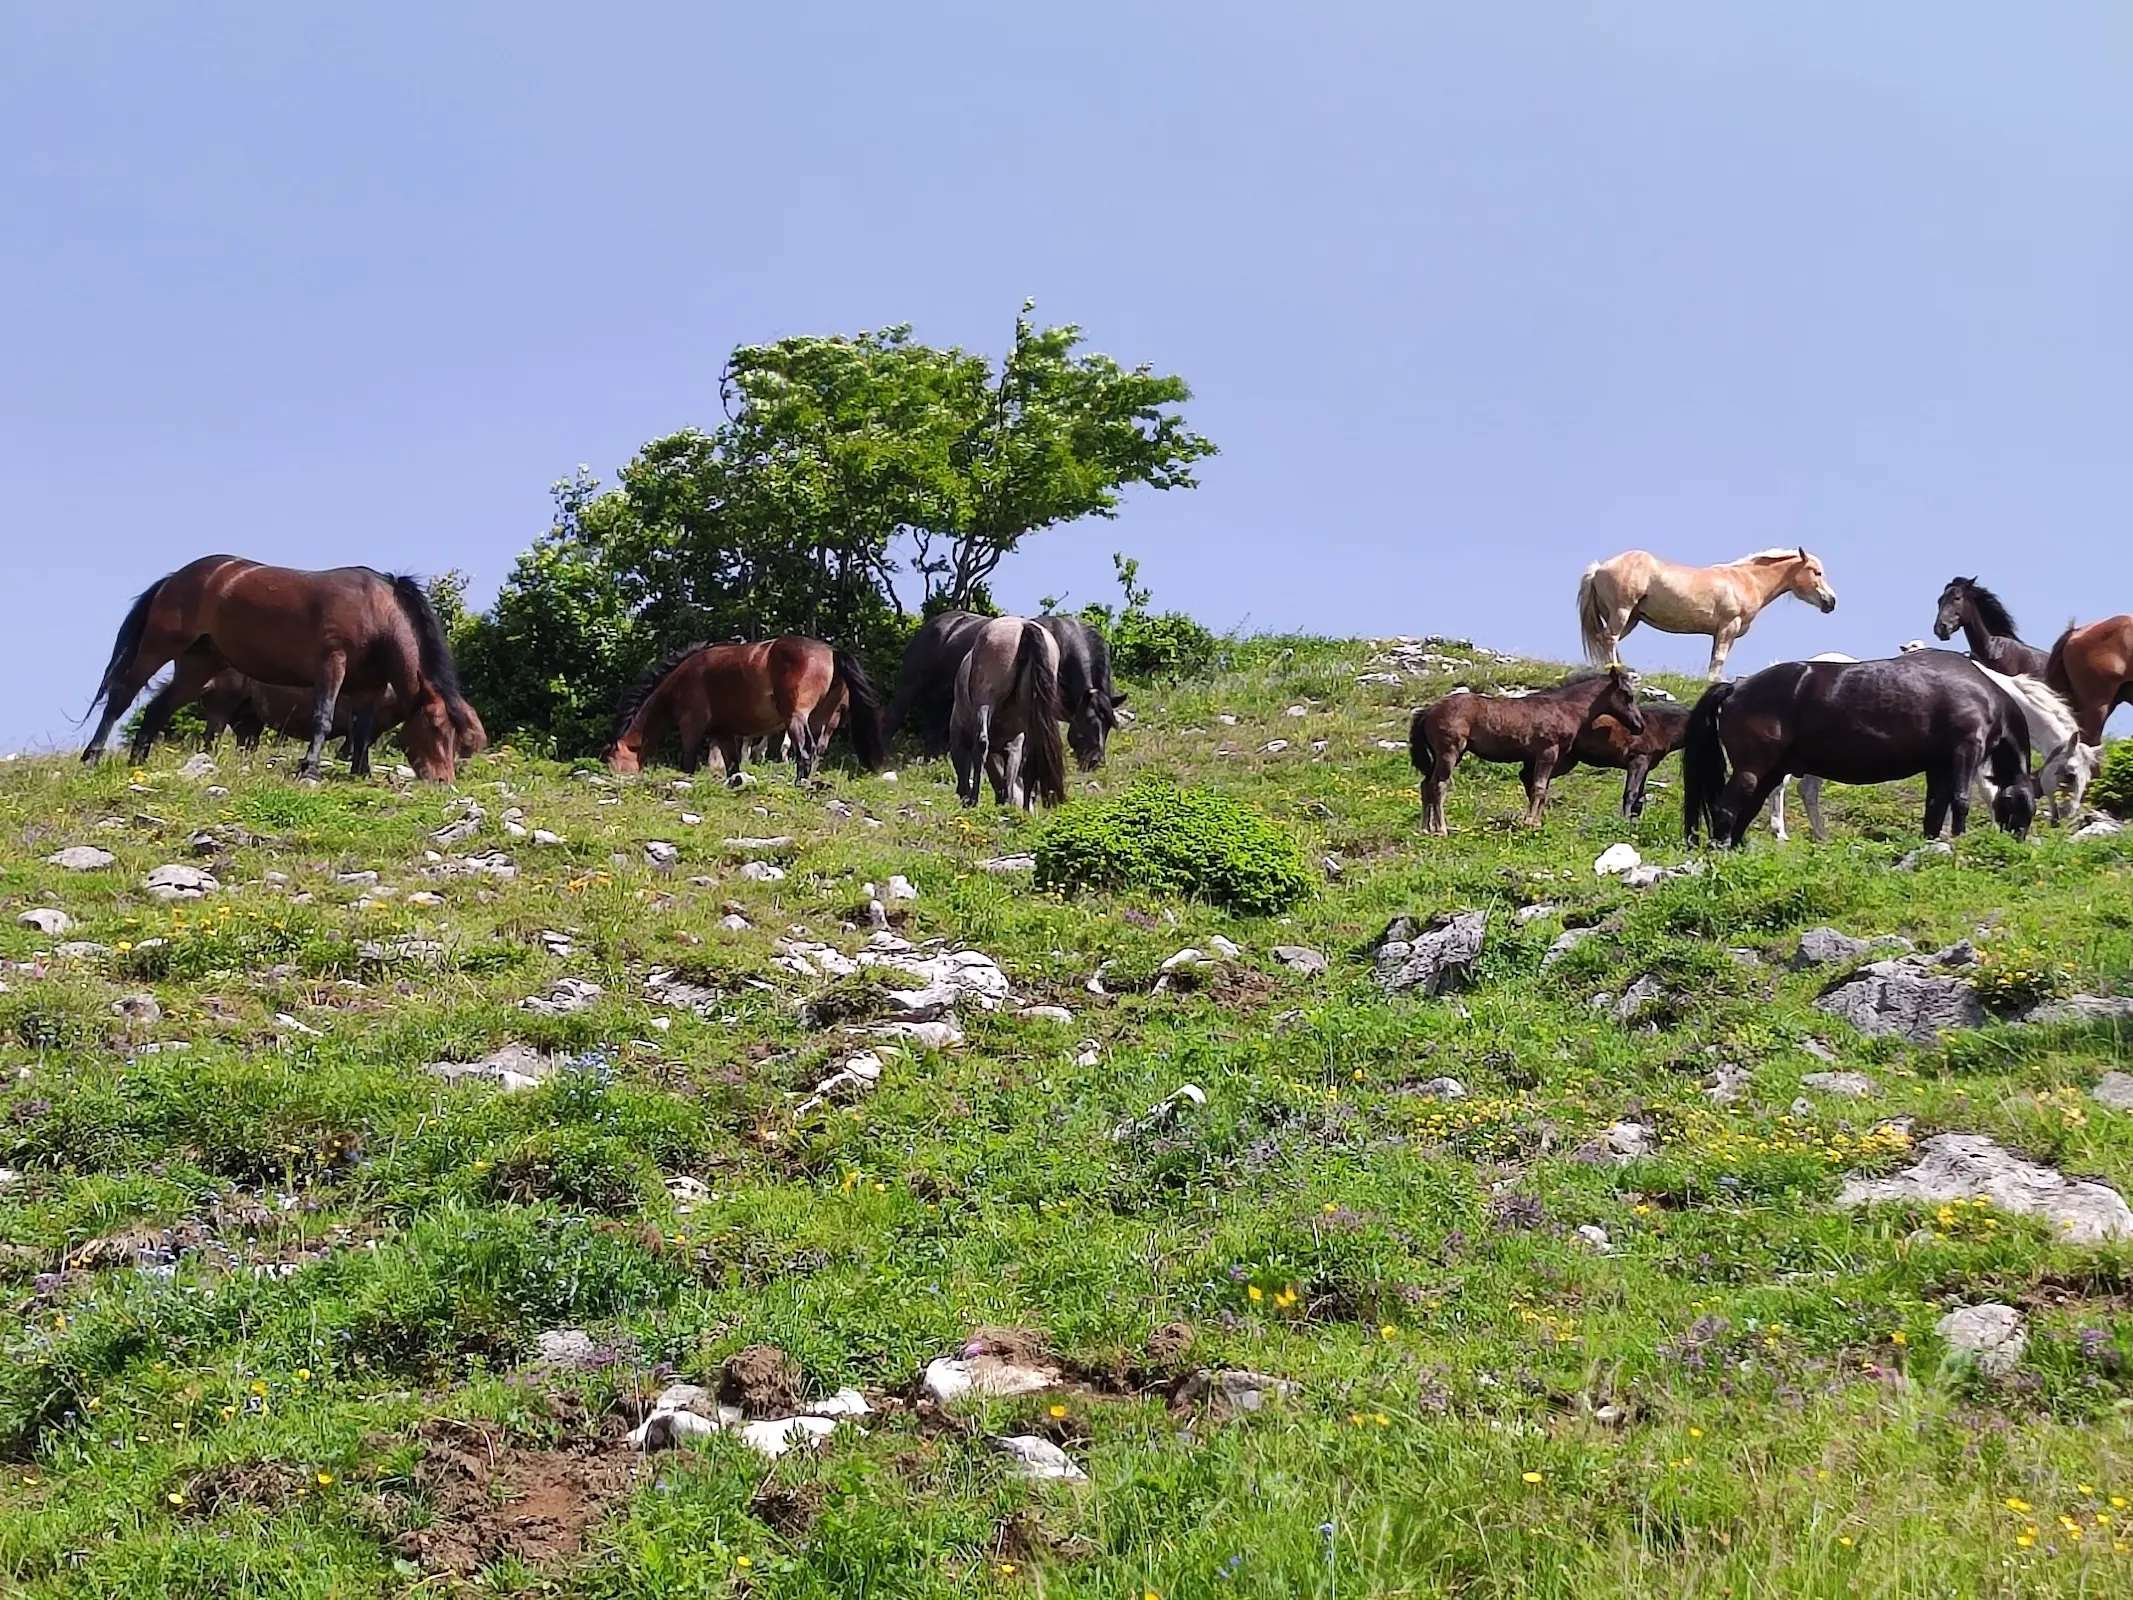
(2113, 789)
(1149, 645)
(1173, 841)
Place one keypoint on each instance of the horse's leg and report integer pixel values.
(362, 728)
(1009, 787)
(1811, 798)
(729, 755)
(804, 746)
(1633, 786)
(1722, 646)
(195, 667)
(1777, 810)
(1542, 767)
(332, 669)
(1737, 805)
(150, 656)
(157, 714)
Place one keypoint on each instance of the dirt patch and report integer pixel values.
(1027, 1540)
(1022, 1347)
(263, 1485)
(490, 1498)
(788, 1509)
(1168, 1344)
(763, 1381)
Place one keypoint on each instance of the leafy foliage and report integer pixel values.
(1170, 646)
(2113, 788)
(1171, 841)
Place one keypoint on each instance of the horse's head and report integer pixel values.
(1811, 584)
(1952, 600)
(1619, 700)
(429, 738)
(624, 759)
(1090, 725)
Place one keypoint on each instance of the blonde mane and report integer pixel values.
(1790, 552)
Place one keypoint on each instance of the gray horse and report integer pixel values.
(925, 683)
(1005, 725)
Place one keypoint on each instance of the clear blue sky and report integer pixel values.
(1470, 294)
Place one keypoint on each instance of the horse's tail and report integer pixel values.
(2046, 713)
(434, 653)
(128, 641)
(1418, 748)
(2055, 663)
(1592, 622)
(1043, 752)
(1703, 762)
(868, 736)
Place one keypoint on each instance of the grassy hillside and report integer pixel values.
(274, 1289)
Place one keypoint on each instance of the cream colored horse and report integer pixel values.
(1636, 586)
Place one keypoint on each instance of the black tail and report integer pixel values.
(1043, 752)
(1418, 750)
(438, 668)
(128, 641)
(1703, 763)
(864, 714)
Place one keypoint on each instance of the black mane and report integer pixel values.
(634, 697)
(1991, 610)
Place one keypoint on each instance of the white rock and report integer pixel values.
(844, 1403)
(1039, 1459)
(1017, 863)
(1992, 1333)
(660, 853)
(1968, 1166)
(774, 1438)
(762, 872)
(859, 1075)
(1163, 1113)
(987, 1376)
(670, 1430)
(1058, 1014)
(138, 1008)
(900, 888)
(2114, 1089)
(284, 1020)
(1224, 947)
(690, 819)
(1625, 1142)
(424, 897)
(1596, 1236)
(367, 877)
(512, 1068)
(81, 858)
(734, 922)
(686, 1190)
(1273, 747)
(1617, 858)
(1296, 711)
(2098, 827)
(1188, 957)
(197, 766)
(563, 997)
(543, 836)
(686, 1397)
(565, 1347)
(942, 1034)
(46, 921)
(779, 841)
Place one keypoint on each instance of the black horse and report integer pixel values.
(1928, 712)
(1987, 629)
(925, 683)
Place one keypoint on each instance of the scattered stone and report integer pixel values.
(1225, 948)
(669, 989)
(1616, 859)
(362, 879)
(1058, 1014)
(684, 1190)
(775, 1437)
(1826, 947)
(1850, 1085)
(197, 766)
(1017, 863)
(2098, 827)
(2114, 1089)
(1596, 1236)
(1441, 1089)
(1273, 747)
(985, 1375)
(1231, 1392)
(47, 921)
(489, 864)
(1534, 913)
(859, 1075)
(1565, 942)
(1990, 1334)
(1820, 1051)
(670, 1430)
(563, 997)
(180, 882)
(569, 1348)
(1924, 853)
(2080, 1008)
(1038, 1459)
(660, 853)
(1969, 1166)
(513, 1067)
(900, 888)
(425, 897)
(557, 944)
(1623, 1143)
(1730, 1084)
(1299, 959)
(734, 922)
(1435, 961)
(762, 872)
(542, 836)
(142, 1010)
(1162, 1114)
(1905, 997)
(779, 841)
(81, 950)
(944, 1033)
(1643, 996)
(468, 825)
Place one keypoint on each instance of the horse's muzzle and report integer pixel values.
(1828, 603)
(1943, 630)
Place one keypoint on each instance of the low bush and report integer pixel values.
(1172, 841)
(2113, 789)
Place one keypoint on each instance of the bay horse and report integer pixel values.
(1606, 741)
(1538, 730)
(925, 683)
(1987, 629)
(2092, 665)
(1636, 586)
(726, 694)
(348, 632)
(1005, 725)
(1929, 712)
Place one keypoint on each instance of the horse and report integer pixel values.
(348, 632)
(725, 694)
(925, 683)
(1606, 741)
(1005, 725)
(2049, 718)
(1636, 586)
(251, 709)
(1538, 730)
(1987, 628)
(1932, 712)
(2092, 666)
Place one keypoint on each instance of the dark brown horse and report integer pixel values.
(725, 694)
(252, 710)
(1538, 730)
(2092, 666)
(1988, 629)
(1606, 741)
(347, 633)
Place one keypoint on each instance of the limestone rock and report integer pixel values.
(1434, 961)
(47, 921)
(2114, 1089)
(81, 858)
(1905, 997)
(1969, 1166)
(1616, 859)
(563, 997)
(1992, 1334)
(1299, 959)
(1039, 1459)
(180, 882)
(1851, 1085)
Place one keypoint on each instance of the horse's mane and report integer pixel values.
(1992, 611)
(1790, 552)
(634, 697)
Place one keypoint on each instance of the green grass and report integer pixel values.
(249, 1286)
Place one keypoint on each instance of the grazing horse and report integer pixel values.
(251, 709)
(1988, 629)
(725, 694)
(345, 633)
(1636, 586)
(925, 683)
(2049, 718)
(1005, 725)
(2092, 665)
(1538, 730)
(1931, 712)
(1605, 741)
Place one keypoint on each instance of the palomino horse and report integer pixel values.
(1606, 742)
(1988, 629)
(1006, 720)
(1636, 586)
(1931, 712)
(2049, 718)
(925, 683)
(1538, 730)
(345, 633)
(724, 694)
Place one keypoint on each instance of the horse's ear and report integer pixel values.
(1803, 553)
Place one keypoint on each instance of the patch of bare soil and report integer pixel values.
(763, 1381)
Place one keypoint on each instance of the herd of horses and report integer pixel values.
(353, 653)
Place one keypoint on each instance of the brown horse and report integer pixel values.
(724, 694)
(2092, 666)
(1636, 586)
(1005, 725)
(251, 710)
(1538, 730)
(348, 632)
(1606, 741)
